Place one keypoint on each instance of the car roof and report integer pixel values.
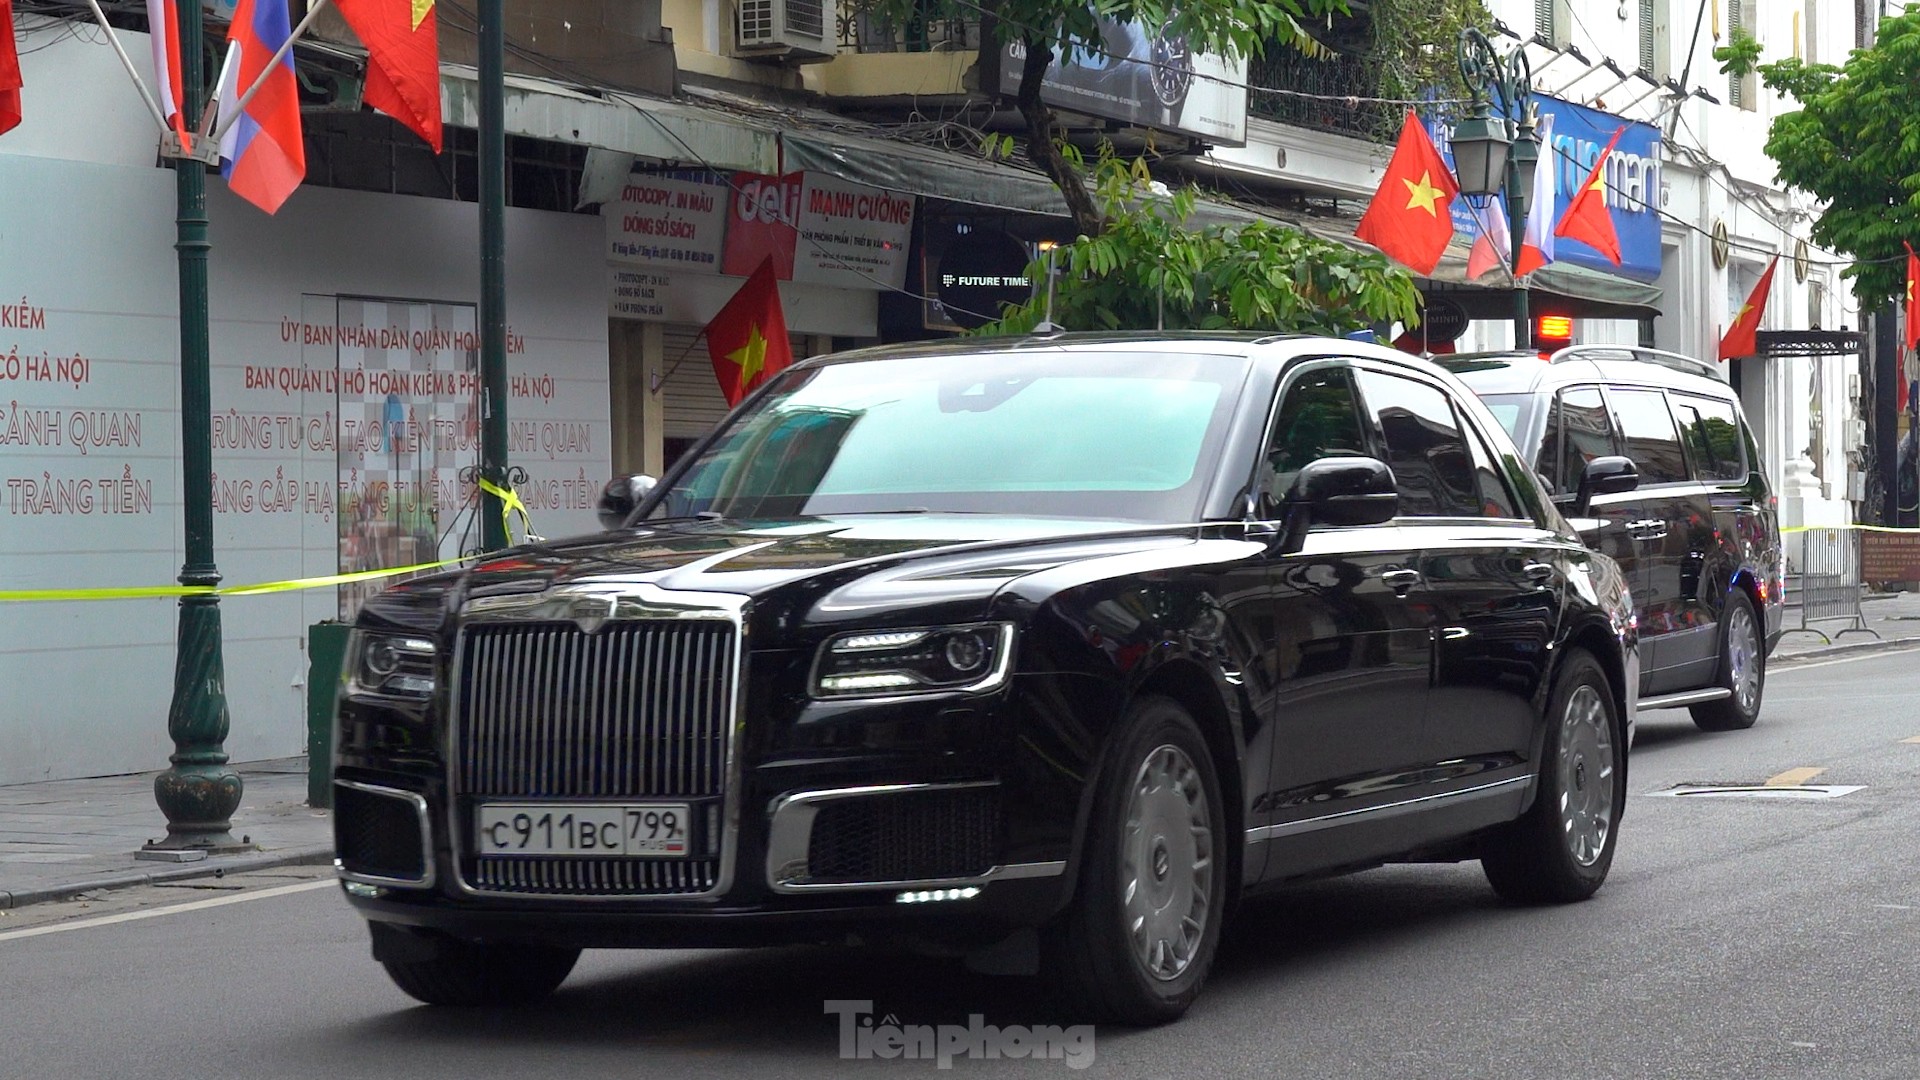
(1520, 372)
(1244, 345)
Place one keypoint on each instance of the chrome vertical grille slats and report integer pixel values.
(640, 709)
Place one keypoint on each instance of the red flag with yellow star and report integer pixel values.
(748, 338)
(403, 60)
(1587, 218)
(1741, 338)
(1411, 216)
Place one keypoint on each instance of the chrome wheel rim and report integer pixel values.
(1586, 775)
(1743, 660)
(1166, 863)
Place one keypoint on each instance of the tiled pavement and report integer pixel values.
(61, 838)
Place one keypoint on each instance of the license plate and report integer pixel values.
(642, 830)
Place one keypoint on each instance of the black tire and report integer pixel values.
(1743, 671)
(1091, 954)
(1560, 850)
(470, 973)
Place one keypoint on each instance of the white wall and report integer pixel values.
(89, 248)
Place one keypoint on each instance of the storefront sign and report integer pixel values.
(1147, 77)
(1889, 557)
(1442, 320)
(819, 230)
(690, 299)
(665, 222)
(1632, 172)
(978, 274)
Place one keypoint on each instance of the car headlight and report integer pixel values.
(396, 664)
(888, 662)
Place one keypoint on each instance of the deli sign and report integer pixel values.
(819, 230)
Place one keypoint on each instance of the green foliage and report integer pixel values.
(1254, 276)
(1740, 55)
(1415, 47)
(1855, 144)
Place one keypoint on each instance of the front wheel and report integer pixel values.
(1145, 923)
(1561, 849)
(1743, 671)
(476, 973)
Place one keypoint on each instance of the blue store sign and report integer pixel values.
(1633, 183)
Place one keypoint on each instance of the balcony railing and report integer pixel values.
(1326, 84)
(866, 34)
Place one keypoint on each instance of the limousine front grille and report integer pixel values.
(639, 710)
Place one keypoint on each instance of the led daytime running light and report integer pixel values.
(897, 639)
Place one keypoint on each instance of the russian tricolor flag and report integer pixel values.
(261, 152)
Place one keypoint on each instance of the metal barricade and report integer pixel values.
(1829, 580)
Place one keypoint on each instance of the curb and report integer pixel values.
(1850, 648)
(219, 867)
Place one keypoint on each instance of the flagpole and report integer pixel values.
(230, 116)
(200, 791)
(146, 95)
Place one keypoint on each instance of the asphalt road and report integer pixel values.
(1737, 937)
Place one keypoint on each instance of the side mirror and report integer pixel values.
(1604, 476)
(620, 496)
(1344, 491)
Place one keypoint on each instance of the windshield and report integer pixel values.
(1507, 409)
(1036, 433)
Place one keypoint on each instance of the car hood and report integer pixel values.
(812, 572)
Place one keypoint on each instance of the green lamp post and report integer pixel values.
(1492, 153)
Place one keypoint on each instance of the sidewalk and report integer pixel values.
(60, 838)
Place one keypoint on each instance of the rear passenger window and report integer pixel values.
(1431, 466)
(1579, 432)
(1646, 425)
(1495, 499)
(1712, 432)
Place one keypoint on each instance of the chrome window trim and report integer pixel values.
(620, 601)
(1378, 813)
(790, 834)
(421, 817)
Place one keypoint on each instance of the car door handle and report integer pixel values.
(1647, 529)
(1538, 572)
(1400, 580)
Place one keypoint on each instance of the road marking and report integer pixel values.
(1793, 777)
(171, 909)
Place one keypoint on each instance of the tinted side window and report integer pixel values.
(1651, 440)
(1431, 466)
(1587, 434)
(1495, 499)
(1712, 431)
(1317, 418)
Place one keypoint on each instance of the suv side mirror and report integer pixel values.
(1604, 476)
(1343, 491)
(620, 496)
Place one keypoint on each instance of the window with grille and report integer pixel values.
(1810, 27)
(1741, 89)
(1547, 23)
(1646, 36)
(1864, 23)
(1654, 39)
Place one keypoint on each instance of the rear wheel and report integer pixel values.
(474, 973)
(1561, 849)
(1145, 923)
(1743, 671)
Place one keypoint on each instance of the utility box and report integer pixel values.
(326, 650)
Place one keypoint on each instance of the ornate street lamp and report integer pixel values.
(1492, 152)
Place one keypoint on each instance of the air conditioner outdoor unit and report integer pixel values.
(798, 30)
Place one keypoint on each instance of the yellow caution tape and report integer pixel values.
(143, 592)
(510, 504)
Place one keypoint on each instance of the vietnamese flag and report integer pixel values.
(1410, 217)
(1587, 219)
(10, 81)
(1913, 323)
(1740, 339)
(403, 60)
(747, 339)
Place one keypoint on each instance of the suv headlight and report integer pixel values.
(400, 665)
(884, 663)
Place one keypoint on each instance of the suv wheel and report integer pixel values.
(478, 973)
(1145, 923)
(1561, 849)
(1743, 671)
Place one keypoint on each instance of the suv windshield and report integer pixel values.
(1080, 434)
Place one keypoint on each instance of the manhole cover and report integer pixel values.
(1762, 791)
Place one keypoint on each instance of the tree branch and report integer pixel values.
(1087, 219)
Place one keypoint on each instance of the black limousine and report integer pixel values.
(1043, 651)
